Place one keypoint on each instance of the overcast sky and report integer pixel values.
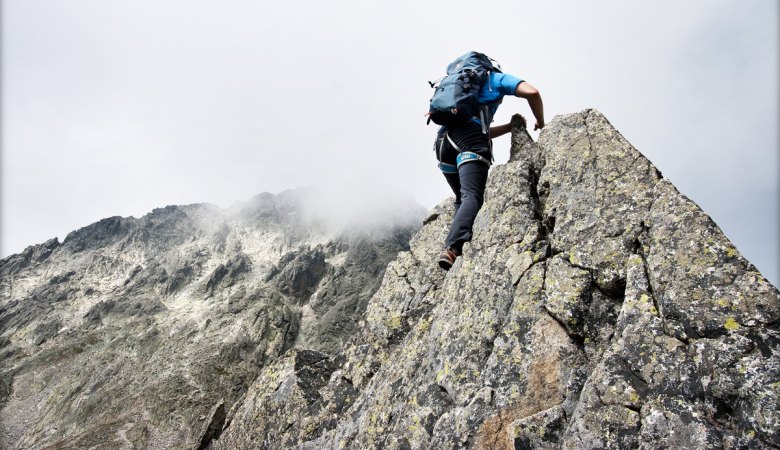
(115, 108)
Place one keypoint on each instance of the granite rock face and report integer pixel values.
(143, 333)
(596, 307)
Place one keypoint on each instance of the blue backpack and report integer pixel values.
(456, 99)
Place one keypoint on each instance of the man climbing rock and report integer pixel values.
(464, 104)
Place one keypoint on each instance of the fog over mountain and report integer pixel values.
(146, 331)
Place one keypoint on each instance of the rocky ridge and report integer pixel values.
(596, 307)
(142, 333)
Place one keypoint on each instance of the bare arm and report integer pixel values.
(500, 130)
(528, 92)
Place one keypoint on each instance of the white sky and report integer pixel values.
(115, 108)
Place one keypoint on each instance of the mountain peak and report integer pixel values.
(595, 307)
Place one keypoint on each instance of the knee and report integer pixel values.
(476, 198)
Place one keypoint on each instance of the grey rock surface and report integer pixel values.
(143, 333)
(596, 307)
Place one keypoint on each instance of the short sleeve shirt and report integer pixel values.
(499, 85)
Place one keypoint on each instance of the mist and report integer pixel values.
(340, 208)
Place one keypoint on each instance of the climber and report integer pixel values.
(464, 149)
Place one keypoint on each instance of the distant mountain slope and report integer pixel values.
(142, 333)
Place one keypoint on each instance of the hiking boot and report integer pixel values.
(447, 258)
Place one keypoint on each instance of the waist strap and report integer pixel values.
(465, 157)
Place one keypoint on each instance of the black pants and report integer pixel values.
(468, 183)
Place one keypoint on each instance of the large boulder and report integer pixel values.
(596, 307)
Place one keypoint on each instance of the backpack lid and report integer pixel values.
(473, 60)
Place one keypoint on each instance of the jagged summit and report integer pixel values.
(596, 307)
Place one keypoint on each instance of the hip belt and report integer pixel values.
(464, 157)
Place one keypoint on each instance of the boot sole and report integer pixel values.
(445, 264)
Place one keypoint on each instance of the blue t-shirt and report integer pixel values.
(494, 90)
